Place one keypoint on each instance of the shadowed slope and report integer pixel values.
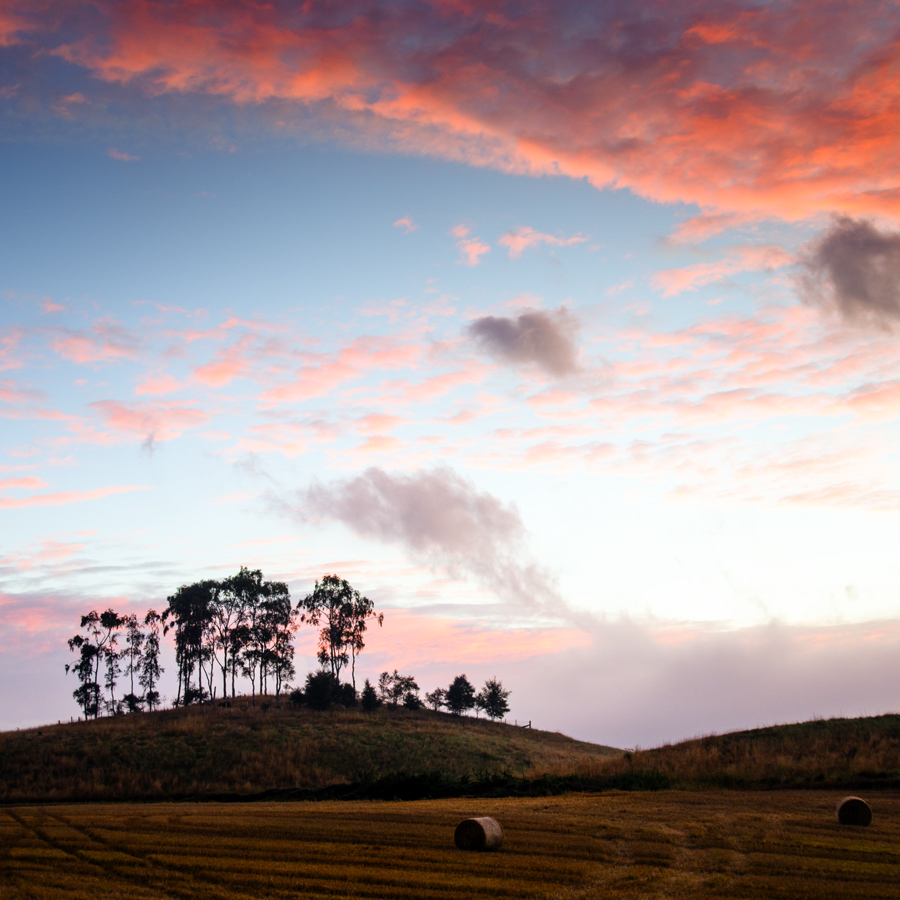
(243, 750)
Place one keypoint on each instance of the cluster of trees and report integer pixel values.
(243, 625)
(100, 662)
(323, 690)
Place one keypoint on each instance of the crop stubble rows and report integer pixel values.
(668, 844)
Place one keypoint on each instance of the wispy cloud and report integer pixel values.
(738, 259)
(471, 249)
(60, 497)
(121, 155)
(407, 224)
(526, 238)
(439, 516)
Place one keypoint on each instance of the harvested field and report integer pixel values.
(624, 845)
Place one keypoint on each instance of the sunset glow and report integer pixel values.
(567, 333)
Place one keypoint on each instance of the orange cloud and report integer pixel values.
(767, 110)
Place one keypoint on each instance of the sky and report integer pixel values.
(567, 333)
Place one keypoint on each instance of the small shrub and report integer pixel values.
(369, 697)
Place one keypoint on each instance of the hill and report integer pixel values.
(245, 750)
(854, 754)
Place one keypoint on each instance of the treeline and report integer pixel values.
(244, 626)
(322, 691)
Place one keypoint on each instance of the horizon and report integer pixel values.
(566, 335)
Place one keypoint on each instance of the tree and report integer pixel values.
(236, 596)
(436, 699)
(190, 609)
(344, 614)
(460, 695)
(134, 642)
(392, 688)
(150, 667)
(492, 699)
(411, 700)
(320, 689)
(362, 610)
(280, 623)
(96, 646)
(369, 698)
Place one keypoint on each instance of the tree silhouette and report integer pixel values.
(343, 613)
(460, 695)
(150, 667)
(492, 699)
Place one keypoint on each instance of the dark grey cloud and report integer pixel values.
(442, 518)
(546, 339)
(854, 268)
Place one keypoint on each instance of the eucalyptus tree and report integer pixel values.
(189, 613)
(343, 614)
(132, 654)
(150, 668)
(96, 648)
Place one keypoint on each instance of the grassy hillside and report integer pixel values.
(848, 753)
(245, 750)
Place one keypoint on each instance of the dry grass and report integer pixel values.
(194, 751)
(668, 845)
(849, 753)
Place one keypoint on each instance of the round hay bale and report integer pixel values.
(853, 811)
(483, 833)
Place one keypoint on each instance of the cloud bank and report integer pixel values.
(546, 339)
(439, 516)
(752, 109)
(854, 269)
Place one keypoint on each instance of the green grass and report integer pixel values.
(244, 750)
(716, 844)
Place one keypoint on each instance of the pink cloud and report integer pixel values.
(121, 155)
(158, 386)
(324, 374)
(105, 342)
(411, 639)
(470, 249)
(61, 497)
(9, 344)
(526, 238)
(407, 224)
(28, 481)
(156, 421)
(49, 306)
(739, 259)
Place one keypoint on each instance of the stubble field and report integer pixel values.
(625, 845)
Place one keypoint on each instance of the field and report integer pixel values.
(669, 844)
